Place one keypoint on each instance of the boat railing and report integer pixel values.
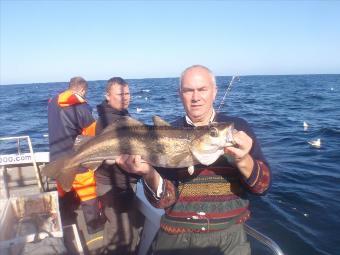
(264, 240)
(19, 158)
(28, 162)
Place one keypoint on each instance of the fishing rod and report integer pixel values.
(226, 92)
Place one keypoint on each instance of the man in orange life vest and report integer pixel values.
(69, 115)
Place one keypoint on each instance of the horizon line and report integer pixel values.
(37, 83)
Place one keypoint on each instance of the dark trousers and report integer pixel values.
(93, 217)
(232, 241)
(124, 223)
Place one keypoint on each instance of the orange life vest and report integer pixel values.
(84, 184)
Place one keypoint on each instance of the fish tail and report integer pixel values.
(62, 170)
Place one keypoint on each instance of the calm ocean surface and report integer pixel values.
(301, 211)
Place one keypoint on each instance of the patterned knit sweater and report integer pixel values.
(214, 197)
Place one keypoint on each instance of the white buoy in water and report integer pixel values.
(139, 109)
(305, 126)
(316, 143)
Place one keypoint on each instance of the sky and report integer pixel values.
(51, 41)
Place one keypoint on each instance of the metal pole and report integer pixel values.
(266, 241)
(37, 173)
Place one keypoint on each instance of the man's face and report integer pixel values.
(198, 93)
(118, 97)
(83, 92)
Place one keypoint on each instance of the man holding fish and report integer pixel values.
(205, 204)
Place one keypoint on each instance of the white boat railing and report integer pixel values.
(265, 240)
(20, 158)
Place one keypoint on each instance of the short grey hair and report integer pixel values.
(213, 79)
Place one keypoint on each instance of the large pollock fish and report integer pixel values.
(160, 145)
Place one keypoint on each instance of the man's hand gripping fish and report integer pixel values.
(160, 145)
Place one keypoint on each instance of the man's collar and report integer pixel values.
(189, 121)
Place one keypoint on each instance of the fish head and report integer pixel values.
(209, 141)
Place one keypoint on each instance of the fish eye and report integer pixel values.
(214, 132)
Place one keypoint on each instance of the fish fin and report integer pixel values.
(60, 170)
(80, 140)
(191, 170)
(158, 121)
(128, 121)
(125, 121)
(181, 159)
(93, 165)
(230, 142)
(110, 161)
